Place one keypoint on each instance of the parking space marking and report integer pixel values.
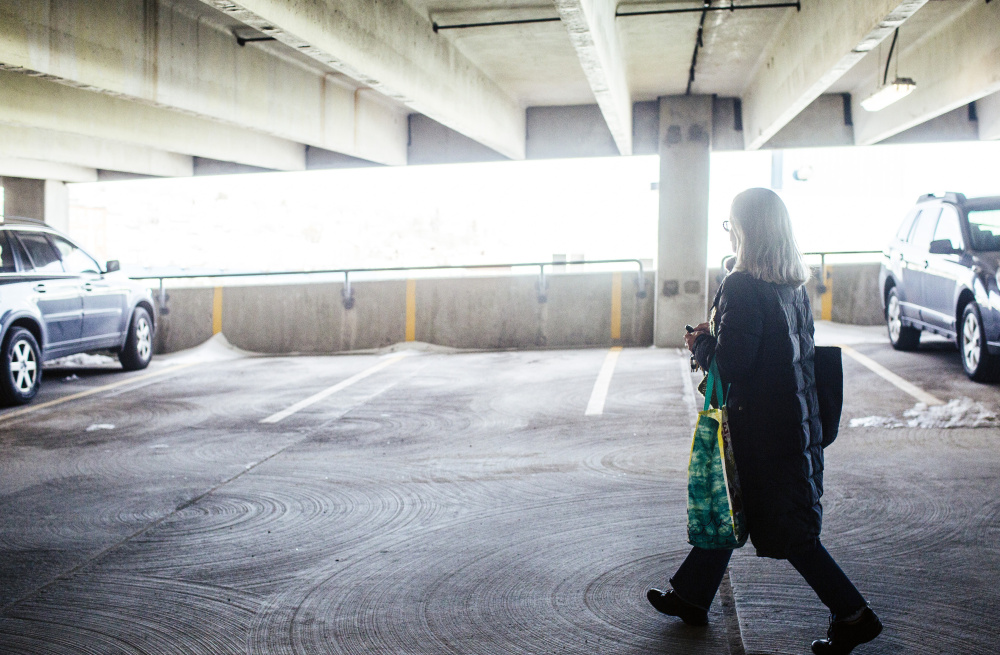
(89, 392)
(329, 391)
(888, 375)
(689, 398)
(600, 393)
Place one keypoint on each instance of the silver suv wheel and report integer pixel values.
(23, 366)
(972, 345)
(144, 337)
(892, 316)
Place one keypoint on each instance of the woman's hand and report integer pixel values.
(692, 336)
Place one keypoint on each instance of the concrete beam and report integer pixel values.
(184, 56)
(954, 65)
(988, 110)
(433, 143)
(593, 32)
(90, 153)
(573, 131)
(727, 124)
(956, 125)
(827, 121)
(36, 169)
(35, 103)
(389, 47)
(814, 47)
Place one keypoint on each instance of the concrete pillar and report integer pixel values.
(46, 200)
(682, 254)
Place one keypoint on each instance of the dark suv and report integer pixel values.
(55, 300)
(940, 274)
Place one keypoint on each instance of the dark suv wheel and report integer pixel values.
(900, 336)
(138, 348)
(20, 367)
(977, 361)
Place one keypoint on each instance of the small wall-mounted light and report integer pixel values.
(902, 87)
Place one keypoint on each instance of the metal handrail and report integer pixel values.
(821, 287)
(348, 294)
(845, 252)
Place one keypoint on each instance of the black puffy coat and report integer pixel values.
(764, 348)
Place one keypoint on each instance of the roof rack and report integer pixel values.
(949, 196)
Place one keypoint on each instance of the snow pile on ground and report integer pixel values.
(216, 349)
(877, 422)
(82, 360)
(957, 413)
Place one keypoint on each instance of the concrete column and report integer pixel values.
(682, 254)
(46, 200)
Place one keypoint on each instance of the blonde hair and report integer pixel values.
(765, 245)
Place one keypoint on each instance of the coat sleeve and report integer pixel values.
(741, 327)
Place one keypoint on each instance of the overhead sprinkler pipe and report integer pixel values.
(523, 21)
(732, 6)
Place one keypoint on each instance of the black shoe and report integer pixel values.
(670, 603)
(843, 636)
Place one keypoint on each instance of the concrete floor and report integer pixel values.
(458, 503)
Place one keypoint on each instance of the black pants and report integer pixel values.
(699, 577)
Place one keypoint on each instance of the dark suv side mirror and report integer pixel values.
(112, 266)
(943, 247)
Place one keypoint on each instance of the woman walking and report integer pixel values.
(761, 338)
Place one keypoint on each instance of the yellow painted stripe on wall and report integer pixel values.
(616, 306)
(411, 310)
(827, 297)
(217, 311)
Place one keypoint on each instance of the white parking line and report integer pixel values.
(888, 375)
(600, 393)
(689, 398)
(89, 392)
(329, 391)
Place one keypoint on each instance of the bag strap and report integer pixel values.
(713, 387)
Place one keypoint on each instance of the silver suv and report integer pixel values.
(940, 275)
(55, 300)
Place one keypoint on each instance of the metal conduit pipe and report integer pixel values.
(523, 21)
(732, 7)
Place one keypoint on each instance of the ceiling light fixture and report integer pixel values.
(889, 93)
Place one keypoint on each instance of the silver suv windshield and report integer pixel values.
(984, 228)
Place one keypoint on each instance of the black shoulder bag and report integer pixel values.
(829, 367)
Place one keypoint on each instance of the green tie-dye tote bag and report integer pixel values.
(715, 506)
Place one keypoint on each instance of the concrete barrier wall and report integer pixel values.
(581, 310)
(856, 295)
(477, 313)
(851, 296)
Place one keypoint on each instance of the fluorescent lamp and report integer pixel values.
(889, 94)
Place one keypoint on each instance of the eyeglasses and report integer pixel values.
(725, 225)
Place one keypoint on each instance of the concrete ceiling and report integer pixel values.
(109, 88)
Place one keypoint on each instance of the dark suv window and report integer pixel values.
(904, 229)
(949, 228)
(44, 258)
(6, 255)
(74, 260)
(984, 228)
(920, 236)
